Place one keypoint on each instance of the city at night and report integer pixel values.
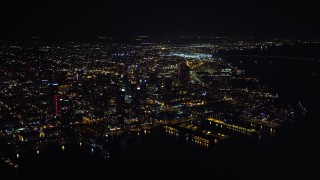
(164, 89)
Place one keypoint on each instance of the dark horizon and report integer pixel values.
(160, 18)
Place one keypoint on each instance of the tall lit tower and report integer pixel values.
(56, 104)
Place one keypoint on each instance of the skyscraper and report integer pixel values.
(120, 105)
(56, 99)
(183, 74)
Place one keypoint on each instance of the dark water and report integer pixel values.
(291, 78)
(298, 145)
(157, 154)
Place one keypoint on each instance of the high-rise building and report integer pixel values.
(120, 105)
(183, 73)
(56, 99)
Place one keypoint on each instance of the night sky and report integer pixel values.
(146, 17)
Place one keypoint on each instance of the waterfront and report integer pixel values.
(152, 152)
(158, 151)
